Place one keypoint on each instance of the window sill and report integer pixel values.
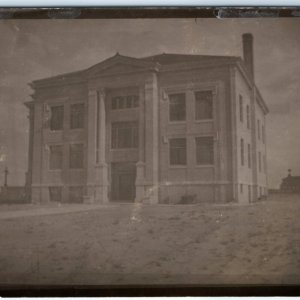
(177, 166)
(54, 170)
(204, 120)
(177, 122)
(204, 166)
(124, 149)
(76, 129)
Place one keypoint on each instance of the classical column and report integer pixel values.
(151, 139)
(101, 165)
(97, 180)
(140, 165)
(28, 183)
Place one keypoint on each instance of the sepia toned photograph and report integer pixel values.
(149, 151)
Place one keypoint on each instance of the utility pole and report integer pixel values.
(5, 176)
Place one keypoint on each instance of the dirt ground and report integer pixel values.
(135, 244)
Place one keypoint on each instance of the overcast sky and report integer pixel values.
(33, 49)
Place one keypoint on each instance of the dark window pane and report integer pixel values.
(241, 109)
(57, 117)
(77, 116)
(76, 194)
(129, 102)
(124, 135)
(76, 156)
(242, 152)
(114, 103)
(135, 101)
(205, 150)
(121, 102)
(55, 193)
(204, 105)
(177, 107)
(249, 156)
(248, 117)
(55, 157)
(178, 151)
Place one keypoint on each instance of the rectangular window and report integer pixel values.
(241, 108)
(249, 193)
(241, 188)
(259, 161)
(258, 129)
(76, 156)
(204, 105)
(242, 152)
(122, 102)
(76, 194)
(265, 164)
(178, 151)
(263, 133)
(124, 135)
(56, 157)
(205, 150)
(77, 116)
(248, 116)
(57, 117)
(55, 193)
(177, 107)
(249, 156)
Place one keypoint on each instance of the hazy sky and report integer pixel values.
(33, 49)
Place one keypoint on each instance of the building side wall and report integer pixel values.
(44, 137)
(245, 180)
(261, 142)
(209, 183)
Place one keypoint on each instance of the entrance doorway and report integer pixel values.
(123, 176)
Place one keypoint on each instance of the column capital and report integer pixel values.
(101, 93)
(92, 93)
(140, 164)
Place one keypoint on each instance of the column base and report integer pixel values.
(96, 195)
(146, 193)
(39, 195)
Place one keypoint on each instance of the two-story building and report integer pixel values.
(154, 130)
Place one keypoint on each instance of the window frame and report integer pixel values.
(185, 107)
(135, 145)
(117, 99)
(249, 156)
(259, 162)
(183, 165)
(51, 106)
(242, 151)
(212, 91)
(213, 150)
(51, 193)
(74, 187)
(62, 157)
(241, 108)
(248, 116)
(83, 150)
(83, 116)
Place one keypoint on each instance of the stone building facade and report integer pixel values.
(158, 129)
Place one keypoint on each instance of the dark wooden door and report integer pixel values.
(123, 182)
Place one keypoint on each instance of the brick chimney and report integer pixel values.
(248, 52)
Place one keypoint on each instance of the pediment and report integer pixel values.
(119, 65)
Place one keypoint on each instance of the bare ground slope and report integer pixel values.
(134, 244)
